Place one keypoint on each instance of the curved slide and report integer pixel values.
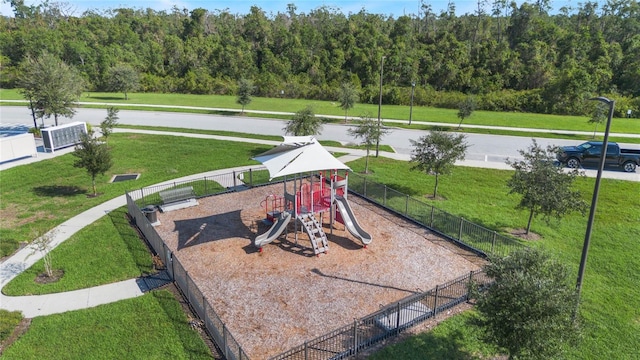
(350, 221)
(276, 229)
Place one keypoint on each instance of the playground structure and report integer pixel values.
(312, 195)
(311, 198)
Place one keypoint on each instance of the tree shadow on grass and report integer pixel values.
(224, 112)
(58, 190)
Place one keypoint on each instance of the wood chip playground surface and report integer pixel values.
(277, 299)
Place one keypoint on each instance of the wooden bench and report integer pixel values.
(177, 195)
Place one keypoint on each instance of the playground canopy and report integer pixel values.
(298, 154)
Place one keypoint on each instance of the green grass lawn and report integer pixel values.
(457, 338)
(106, 251)
(152, 326)
(510, 119)
(40, 196)
(611, 296)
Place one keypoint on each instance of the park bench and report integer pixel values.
(177, 198)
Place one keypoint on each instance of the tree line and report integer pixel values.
(509, 57)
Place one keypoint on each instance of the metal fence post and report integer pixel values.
(364, 188)
(435, 303)
(306, 351)
(493, 241)
(398, 319)
(235, 179)
(460, 231)
(384, 200)
(186, 281)
(431, 224)
(406, 207)
(469, 283)
(355, 336)
(250, 177)
(225, 348)
(205, 186)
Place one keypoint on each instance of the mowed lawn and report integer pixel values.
(152, 326)
(39, 196)
(610, 292)
(397, 112)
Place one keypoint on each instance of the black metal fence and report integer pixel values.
(212, 322)
(458, 229)
(386, 322)
(363, 333)
(204, 186)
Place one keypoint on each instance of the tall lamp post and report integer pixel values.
(379, 104)
(594, 200)
(413, 87)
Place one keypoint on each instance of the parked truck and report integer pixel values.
(588, 154)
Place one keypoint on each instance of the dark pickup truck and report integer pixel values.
(588, 154)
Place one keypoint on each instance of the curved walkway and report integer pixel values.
(39, 305)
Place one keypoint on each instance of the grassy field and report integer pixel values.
(611, 297)
(106, 251)
(152, 326)
(40, 196)
(510, 119)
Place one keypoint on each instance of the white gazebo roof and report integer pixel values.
(298, 154)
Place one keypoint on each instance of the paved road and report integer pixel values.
(482, 147)
(485, 150)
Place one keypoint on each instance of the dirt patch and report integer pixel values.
(22, 328)
(279, 298)
(522, 234)
(44, 278)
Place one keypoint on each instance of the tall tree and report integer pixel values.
(348, 97)
(436, 153)
(465, 109)
(303, 123)
(93, 156)
(107, 125)
(370, 134)
(122, 78)
(52, 86)
(245, 90)
(545, 188)
(528, 310)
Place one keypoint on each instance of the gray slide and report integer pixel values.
(350, 221)
(276, 229)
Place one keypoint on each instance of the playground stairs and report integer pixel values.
(315, 232)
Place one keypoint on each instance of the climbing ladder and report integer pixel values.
(315, 232)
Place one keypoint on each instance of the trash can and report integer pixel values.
(151, 212)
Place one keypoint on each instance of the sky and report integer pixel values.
(395, 8)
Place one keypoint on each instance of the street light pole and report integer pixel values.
(379, 104)
(413, 86)
(594, 200)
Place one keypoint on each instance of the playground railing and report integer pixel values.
(459, 230)
(387, 322)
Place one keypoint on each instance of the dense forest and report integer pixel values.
(508, 57)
